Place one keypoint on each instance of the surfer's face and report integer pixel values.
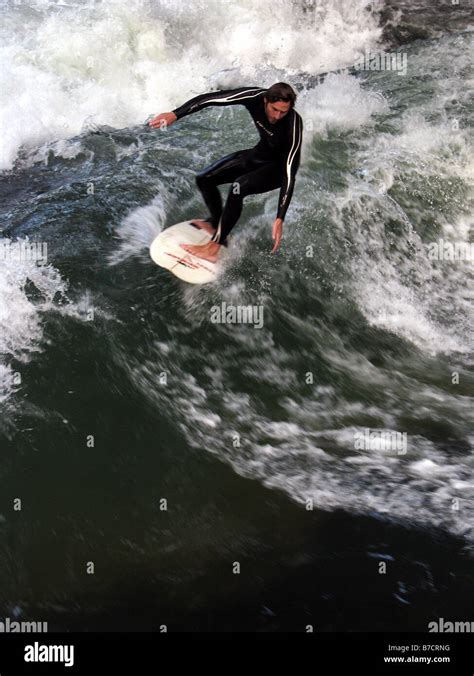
(275, 110)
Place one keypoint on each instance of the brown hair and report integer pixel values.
(281, 92)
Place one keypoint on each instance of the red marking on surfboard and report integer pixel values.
(183, 261)
(189, 264)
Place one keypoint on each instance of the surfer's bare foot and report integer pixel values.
(204, 225)
(207, 251)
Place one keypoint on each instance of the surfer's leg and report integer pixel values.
(264, 178)
(222, 171)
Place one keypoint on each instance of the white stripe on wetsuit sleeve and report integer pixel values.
(235, 97)
(295, 145)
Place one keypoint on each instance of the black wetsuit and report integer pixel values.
(271, 164)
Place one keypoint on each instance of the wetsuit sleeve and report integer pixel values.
(291, 162)
(224, 97)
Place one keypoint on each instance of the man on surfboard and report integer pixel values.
(271, 164)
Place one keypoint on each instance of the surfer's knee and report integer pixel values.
(200, 179)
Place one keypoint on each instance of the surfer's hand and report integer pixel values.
(163, 120)
(277, 231)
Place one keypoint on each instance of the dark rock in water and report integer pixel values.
(406, 20)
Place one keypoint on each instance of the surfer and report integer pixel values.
(271, 164)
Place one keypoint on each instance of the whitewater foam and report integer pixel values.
(115, 64)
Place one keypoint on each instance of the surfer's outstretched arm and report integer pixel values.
(223, 97)
(291, 162)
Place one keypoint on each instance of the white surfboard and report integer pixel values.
(166, 251)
